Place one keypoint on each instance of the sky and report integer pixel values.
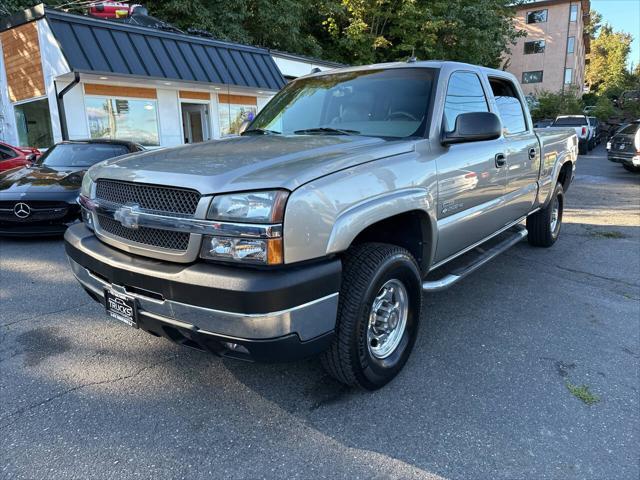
(622, 15)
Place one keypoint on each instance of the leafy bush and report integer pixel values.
(550, 105)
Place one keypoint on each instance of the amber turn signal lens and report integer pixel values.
(275, 255)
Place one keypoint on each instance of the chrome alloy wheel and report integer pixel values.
(555, 214)
(388, 319)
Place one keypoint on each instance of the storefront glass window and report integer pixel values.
(115, 118)
(233, 110)
(33, 122)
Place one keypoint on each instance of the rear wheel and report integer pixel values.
(582, 148)
(378, 315)
(544, 225)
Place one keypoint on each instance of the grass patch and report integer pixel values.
(582, 393)
(608, 234)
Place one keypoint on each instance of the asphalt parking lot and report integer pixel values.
(493, 388)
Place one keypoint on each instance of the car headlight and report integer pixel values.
(87, 185)
(253, 209)
(249, 207)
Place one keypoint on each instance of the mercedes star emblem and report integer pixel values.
(22, 210)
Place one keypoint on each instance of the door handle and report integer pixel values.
(501, 160)
(532, 154)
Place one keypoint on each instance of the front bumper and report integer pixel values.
(274, 314)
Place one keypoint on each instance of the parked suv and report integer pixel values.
(624, 147)
(319, 229)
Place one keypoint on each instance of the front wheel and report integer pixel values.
(378, 316)
(544, 225)
(631, 168)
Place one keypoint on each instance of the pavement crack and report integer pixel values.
(602, 277)
(28, 408)
(44, 314)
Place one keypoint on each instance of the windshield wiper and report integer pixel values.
(327, 130)
(261, 131)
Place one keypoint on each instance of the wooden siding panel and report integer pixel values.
(23, 64)
(195, 95)
(117, 91)
(237, 99)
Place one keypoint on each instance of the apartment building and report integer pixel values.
(552, 56)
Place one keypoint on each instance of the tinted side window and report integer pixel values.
(6, 153)
(464, 94)
(509, 106)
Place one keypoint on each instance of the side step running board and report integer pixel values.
(517, 234)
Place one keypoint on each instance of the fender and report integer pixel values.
(351, 222)
(547, 183)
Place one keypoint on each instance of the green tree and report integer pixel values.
(474, 31)
(607, 68)
(349, 31)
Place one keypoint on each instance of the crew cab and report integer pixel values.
(584, 130)
(351, 194)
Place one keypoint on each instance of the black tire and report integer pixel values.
(539, 224)
(589, 145)
(631, 168)
(366, 269)
(582, 148)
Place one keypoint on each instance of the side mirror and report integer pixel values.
(474, 127)
(243, 126)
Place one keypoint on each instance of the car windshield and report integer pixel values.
(80, 154)
(570, 122)
(383, 103)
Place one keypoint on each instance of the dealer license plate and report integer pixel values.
(121, 307)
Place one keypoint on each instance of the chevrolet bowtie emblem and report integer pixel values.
(128, 216)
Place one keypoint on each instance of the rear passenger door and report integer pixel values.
(522, 148)
(471, 184)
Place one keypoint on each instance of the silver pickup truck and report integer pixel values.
(318, 230)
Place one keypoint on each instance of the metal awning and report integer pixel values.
(105, 47)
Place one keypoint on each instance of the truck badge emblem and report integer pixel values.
(128, 216)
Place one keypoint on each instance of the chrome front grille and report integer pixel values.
(166, 200)
(161, 200)
(178, 241)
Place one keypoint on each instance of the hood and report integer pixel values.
(249, 162)
(40, 179)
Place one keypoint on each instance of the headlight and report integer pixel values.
(87, 185)
(249, 207)
(608, 145)
(246, 250)
(253, 209)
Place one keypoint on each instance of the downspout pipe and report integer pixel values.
(60, 101)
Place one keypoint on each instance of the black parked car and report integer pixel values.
(624, 147)
(40, 199)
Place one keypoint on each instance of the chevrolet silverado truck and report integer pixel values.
(320, 228)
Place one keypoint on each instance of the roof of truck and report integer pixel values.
(439, 64)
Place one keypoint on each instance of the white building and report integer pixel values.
(67, 76)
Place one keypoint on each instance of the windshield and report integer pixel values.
(384, 103)
(570, 122)
(80, 154)
(629, 129)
